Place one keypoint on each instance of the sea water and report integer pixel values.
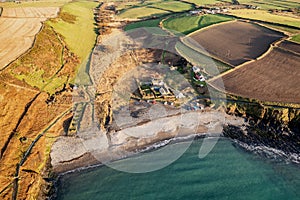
(227, 172)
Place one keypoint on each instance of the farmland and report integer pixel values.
(188, 24)
(273, 4)
(173, 6)
(290, 46)
(206, 2)
(235, 42)
(40, 3)
(296, 38)
(42, 57)
(264, 15)
(30, 12)
(140, 24)
(24, 24)
(79, 34)
(141, 12)
(274, 78)
(146, 9)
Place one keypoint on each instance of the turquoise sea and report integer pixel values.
(227, 172)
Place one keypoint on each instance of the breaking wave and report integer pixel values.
(270, 153)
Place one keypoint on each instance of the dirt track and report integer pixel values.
(236, 42)
(274, 78)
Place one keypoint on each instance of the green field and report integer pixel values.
(273, 4)
(173, 6)
(147, 23)
(131, 4)
(141, 12)
(282, 28)
(296, 38)
(80, 36)
(151, 23)
(206, 2)
(266, 16)
(188, 24)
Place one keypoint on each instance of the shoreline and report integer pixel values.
(272, 154)
(94, 146)
(82, 154)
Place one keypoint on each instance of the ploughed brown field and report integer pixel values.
(290, 46)
(274, 78)
(18, 27)
(236, 42)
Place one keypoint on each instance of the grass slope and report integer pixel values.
(147, 23)
(40, 67)
(206, 2)
(188, 24)
(152, 25)
(273, 4)
(141, 12)
(296, 38)
(174, 6)
(79, 35)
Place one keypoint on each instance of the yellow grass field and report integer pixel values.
(266, 16)
(18, 27)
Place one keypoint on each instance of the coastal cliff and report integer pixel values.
(269, 126)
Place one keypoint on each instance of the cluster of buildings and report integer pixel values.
(215, 10)
(221, 9)
(197, 76)
(158, 90)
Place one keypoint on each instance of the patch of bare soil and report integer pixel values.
(290, 46)
(236, 42)
(274, 78)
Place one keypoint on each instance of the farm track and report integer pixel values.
(28, 151)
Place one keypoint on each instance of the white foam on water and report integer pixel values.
(270, 152)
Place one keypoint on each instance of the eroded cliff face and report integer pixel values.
(276, 127)
(116, 70)
(275, 116)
